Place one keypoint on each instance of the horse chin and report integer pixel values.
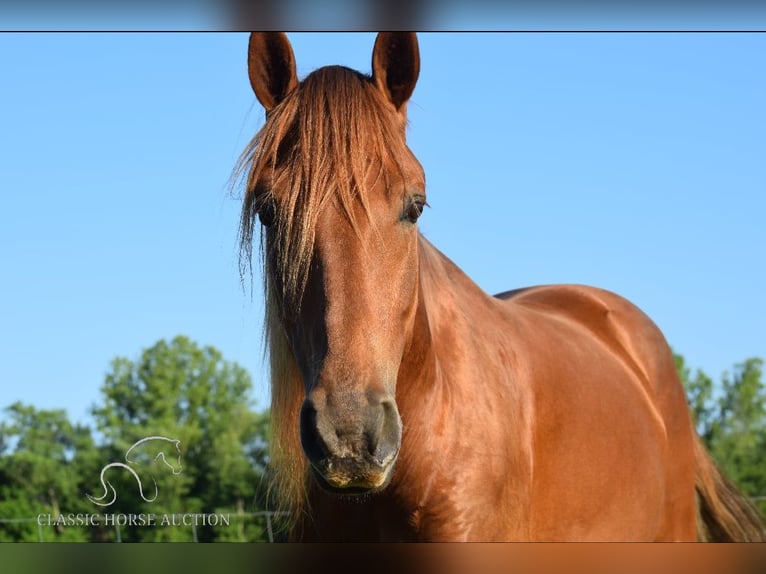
(357, 488)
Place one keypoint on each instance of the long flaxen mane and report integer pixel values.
(325, 144)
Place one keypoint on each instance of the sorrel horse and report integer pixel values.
(407, 404)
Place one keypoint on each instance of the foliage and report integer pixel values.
(175, 390)
(178, 390)
(731, 420)
(44, 472)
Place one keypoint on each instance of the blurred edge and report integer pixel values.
(427, 558)
(357, 15)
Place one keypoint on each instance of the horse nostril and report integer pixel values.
(311, 441)
(387, 434)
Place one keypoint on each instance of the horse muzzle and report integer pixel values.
(349, 477)
(352, 450)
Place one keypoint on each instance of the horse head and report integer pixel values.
(339, 194)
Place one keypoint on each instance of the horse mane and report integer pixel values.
(326, 143)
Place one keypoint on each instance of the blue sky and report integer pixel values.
(635, 162)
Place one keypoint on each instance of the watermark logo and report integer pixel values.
(141, 459)
(159, 449)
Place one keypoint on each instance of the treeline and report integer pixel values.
(178, 422)
(175, 390)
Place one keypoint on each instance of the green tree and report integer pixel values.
(43, 464)
(699, 394)
(189, 393)
(740, 431)
(731, 420)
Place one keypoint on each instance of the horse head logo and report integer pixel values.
(157, 449)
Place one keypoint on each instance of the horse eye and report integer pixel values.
(266, 213)
(414, 209)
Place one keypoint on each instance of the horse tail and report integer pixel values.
(724, 514)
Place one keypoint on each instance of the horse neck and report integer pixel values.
(437, 391)
(450, 306)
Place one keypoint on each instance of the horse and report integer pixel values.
(409, 405)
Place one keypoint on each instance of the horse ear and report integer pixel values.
(271, 67)
(396, 65)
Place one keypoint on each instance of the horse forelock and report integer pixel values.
(332, 140)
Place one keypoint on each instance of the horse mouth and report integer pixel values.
(336, 481)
